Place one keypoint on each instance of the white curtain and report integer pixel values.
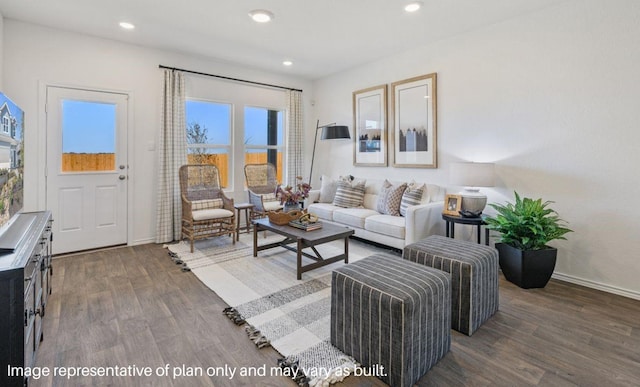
(172, 151)
(295, 143)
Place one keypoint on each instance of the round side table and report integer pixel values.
(479, 222)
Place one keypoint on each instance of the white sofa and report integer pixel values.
(396, 231)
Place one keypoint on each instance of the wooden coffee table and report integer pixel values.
(304, 239)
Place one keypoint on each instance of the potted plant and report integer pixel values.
(525, 229)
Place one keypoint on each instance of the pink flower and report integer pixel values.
(286, 194)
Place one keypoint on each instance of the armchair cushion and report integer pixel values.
(214, 213)
(270, 202)
(273, 205)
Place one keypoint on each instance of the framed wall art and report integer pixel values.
(414, 122)
(370, 123)
(452, 204)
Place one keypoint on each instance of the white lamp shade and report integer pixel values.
(472, 174)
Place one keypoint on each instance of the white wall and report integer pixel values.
(35, 55)
(551, 97)
(1, 47)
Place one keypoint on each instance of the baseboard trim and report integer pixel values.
(596, 285)
(142, 241)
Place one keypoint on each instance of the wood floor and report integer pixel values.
(134, 306)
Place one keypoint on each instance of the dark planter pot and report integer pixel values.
(527, 269)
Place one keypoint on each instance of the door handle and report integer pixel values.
(122, 177)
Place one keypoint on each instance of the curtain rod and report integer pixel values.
(229, 78)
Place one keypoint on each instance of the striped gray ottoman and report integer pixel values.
(474, 277)
(392, 313)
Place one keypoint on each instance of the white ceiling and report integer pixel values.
(321, 37)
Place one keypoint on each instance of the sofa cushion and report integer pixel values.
(412, 196)
(349, 193)
(390, 197)
(323, 210)
(328, 189)
(393, 226)
(354, 217)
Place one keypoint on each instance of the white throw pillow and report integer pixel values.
(328, 189)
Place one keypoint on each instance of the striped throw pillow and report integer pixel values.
(389, 198)
(412, 196)
(349, 194)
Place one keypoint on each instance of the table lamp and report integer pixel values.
(472, 176)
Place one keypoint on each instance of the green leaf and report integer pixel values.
(527, 224)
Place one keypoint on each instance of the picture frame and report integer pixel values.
(452, 204)
(414, 133)
(370, 127)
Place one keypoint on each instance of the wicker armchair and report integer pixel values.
(206, 211)
(261, 185)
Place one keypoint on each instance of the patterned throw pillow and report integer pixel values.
(206, 204)
(349, 194)
(389, 198)
(270, 197)
(412, 196)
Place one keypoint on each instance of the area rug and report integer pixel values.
(290, 315)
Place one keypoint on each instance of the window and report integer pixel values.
(6, 123)
(14, 159)
(88, 136)
(264, 137)
(209, 136)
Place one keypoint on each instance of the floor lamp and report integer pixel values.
(329, 132)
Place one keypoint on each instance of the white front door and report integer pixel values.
(86, 168)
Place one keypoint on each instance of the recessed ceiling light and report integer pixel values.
(413, 6)
(261, 15)
(127, 26)
(287, 63)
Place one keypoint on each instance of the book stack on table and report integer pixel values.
(307, 226)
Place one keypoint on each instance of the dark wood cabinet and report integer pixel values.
(25, 286)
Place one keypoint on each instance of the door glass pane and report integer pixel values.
(88, 136)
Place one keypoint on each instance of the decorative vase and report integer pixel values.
(291, 206)
(527, 268)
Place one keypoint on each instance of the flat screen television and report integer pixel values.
(11, 161)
